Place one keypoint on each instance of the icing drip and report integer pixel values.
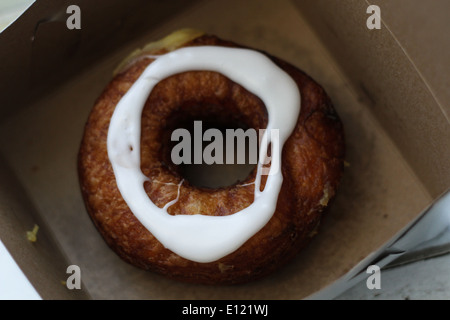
(203, 238)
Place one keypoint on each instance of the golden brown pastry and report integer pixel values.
(312, 166)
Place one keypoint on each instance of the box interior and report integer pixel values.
(382, 189)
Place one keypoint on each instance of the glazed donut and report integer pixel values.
(155, 218)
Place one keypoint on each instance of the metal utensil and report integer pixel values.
(425, 237)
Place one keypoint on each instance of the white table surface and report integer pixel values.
(14, 285)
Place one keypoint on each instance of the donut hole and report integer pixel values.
(211, 151)
(184, 131)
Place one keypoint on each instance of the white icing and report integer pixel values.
(203, 238)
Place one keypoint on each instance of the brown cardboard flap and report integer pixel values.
(397, 73)
(422, 31)
(39, 52)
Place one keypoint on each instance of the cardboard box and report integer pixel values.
(394, 104)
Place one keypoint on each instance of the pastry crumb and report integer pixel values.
(326, 196)
(224, 268)
(315, 231)
(32, 235)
